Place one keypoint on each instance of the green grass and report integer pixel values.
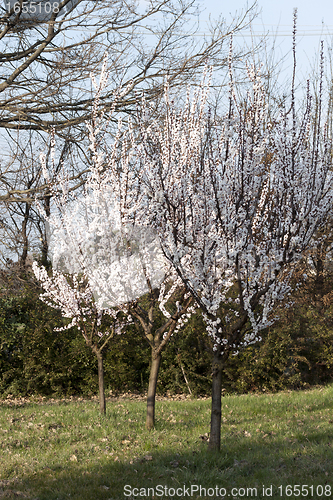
(58, 450)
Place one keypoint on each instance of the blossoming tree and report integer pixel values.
(235, 204)
(74, 297)
(100, 243)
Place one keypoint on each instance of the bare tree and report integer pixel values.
(45, 82)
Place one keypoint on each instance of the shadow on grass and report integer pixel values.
(246, 462)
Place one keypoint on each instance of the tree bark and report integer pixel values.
(215, 423)
(102, 406)
(319, 280)
(44, 240)
(155, 365)
(23, 259)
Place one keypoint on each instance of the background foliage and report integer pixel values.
(296, 352)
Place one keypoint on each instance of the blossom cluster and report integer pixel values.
(235, 203)
(224, 208)
(104, 255)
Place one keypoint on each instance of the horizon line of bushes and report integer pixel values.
(295, 353)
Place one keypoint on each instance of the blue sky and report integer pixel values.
(315, 22)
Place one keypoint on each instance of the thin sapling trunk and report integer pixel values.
(101, 390)
(157, 342)
(215, 423)
(151, 397)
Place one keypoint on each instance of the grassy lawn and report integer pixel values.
(55, 450)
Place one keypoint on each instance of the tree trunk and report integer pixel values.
(101, 383)
(43, 234)
(319, 280)
(155, 365)
(24, 234)
(215, 423)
